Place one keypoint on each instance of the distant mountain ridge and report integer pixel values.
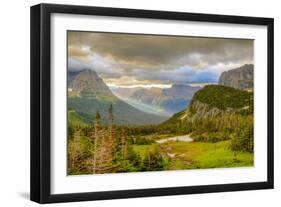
(239, 78)
(124, 92)
(87, 94)
(169, 100)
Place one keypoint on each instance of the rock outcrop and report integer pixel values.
(239, 78)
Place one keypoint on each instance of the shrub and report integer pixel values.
(243, 140)
(153, 161)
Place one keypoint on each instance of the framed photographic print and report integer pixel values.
(133, 103)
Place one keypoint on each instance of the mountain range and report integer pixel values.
(87, 94)
(165, 101)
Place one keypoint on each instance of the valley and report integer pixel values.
(164, 101)
(155, 129)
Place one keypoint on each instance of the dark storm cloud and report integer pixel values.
(168, 58)
(148, 51)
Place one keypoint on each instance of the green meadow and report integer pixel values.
(180, 155)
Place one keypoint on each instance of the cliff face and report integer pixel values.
(213, 101)
(240, 78)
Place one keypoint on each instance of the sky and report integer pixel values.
(133, 60)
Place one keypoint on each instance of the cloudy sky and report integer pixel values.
(149, 60)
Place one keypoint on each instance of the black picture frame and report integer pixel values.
(41, 99)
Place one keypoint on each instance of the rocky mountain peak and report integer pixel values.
(240, 78)
(88, 80)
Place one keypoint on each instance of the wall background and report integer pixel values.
(14, 104)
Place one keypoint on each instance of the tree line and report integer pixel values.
(97, 149)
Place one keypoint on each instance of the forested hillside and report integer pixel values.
(217, 113)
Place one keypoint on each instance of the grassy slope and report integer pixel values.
(123, 112)
(212, 155)
(175, 118)
(74, 119)
(200, 155)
